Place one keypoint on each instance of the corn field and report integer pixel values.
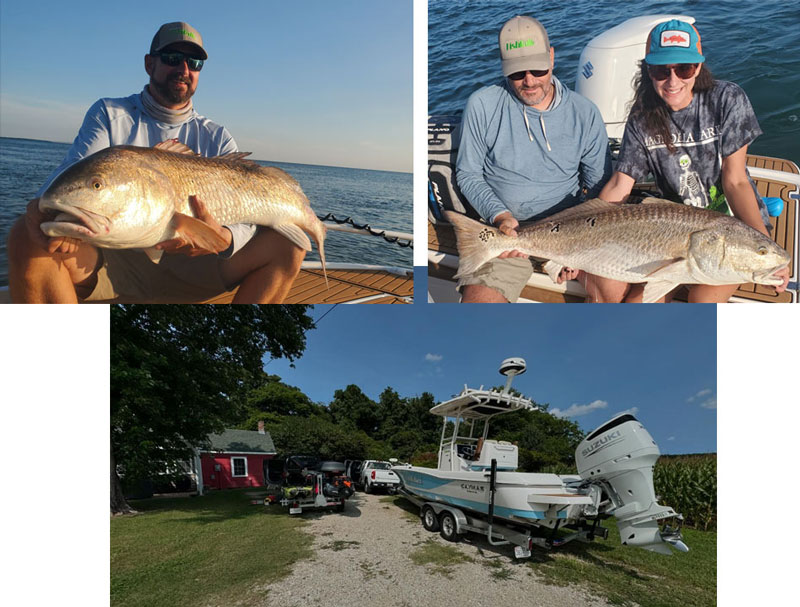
(688, 483)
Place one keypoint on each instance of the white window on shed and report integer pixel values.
(239, 466)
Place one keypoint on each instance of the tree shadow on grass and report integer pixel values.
(215, 507)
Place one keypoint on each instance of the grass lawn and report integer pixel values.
(631, 575)
(620, 574)
(215, 549)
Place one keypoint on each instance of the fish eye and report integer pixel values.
(762, 250)
(96, 183)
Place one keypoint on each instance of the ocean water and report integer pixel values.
(381, 199)
(754, 44)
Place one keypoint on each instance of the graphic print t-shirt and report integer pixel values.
(713, 126)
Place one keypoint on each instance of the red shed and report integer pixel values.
(234, 459)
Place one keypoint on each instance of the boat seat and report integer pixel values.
(443, 191)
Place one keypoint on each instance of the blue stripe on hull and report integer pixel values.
(483, 507)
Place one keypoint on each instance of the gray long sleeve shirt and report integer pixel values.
(530, 167)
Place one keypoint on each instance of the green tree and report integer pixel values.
(543, 439)
(419, 410)
(321, 437)
(352, 408)
(180, 373)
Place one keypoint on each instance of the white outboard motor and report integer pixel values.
(608, 65)
(619, 456)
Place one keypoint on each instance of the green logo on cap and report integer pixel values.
(518, 44)
(184, 32)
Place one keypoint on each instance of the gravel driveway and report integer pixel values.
(364, 557)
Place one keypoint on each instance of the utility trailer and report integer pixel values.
(304, 482)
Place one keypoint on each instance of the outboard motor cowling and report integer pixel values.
(619, 456)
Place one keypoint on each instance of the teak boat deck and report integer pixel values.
(441, 238)
(346, 286)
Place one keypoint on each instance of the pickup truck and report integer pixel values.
(377, 474)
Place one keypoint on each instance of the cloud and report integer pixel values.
(671, 438)
(700, 394)
(577, 410)
(709, 403)
(632, 411)
(705, 398)
(434, 358)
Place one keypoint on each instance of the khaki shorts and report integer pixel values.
(508, 276)
(130, 276)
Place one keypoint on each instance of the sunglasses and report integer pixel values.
(175, 59)
(534, 73)
(684, 71)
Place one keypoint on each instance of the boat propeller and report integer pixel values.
(672, 536)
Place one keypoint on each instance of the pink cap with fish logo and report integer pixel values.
(674, 41)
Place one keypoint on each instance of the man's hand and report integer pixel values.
(185, 244)
(567, 274)
(33, 222)
(507, 224)
(784, 274)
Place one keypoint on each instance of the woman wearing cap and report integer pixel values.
(691, 132)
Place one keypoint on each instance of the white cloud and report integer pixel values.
(705, 399)
(632, 411)
(671, 438)
(434, 358)
(576, 410)
(700, 394)
(709, 403)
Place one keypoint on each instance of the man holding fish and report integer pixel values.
(529, 148)
(202, 258)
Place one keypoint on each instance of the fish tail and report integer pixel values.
(473, 251)
(318, 230)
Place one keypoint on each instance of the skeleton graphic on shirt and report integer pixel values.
(691, 189)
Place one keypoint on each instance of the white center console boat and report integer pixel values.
(476, 486)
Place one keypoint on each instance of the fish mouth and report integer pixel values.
(67, 220)
(767, 277)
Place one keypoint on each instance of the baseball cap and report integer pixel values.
(178, 31)
(524, 45)
(673, 41)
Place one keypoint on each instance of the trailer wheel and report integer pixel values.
(447, 522)
(429, 520)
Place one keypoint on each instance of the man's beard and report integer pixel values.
(531, 98)
(166, 92)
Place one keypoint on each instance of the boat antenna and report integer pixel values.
(511, 367)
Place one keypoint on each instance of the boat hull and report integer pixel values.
(526, 498)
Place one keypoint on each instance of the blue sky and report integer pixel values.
(657, 361)
(313, 82)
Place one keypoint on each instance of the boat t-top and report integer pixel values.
(476, 486)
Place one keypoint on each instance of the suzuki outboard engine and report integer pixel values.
(619, 457)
